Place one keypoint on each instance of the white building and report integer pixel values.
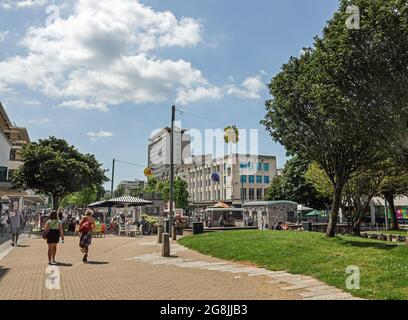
(5, 147)
(159, 147)
(233, 178)
(132, 185)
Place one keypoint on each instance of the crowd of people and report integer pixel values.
(51, 224)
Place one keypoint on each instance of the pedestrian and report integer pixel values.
(278, 226)
(4, 221)
(16, 223)
(221, 221)
(86, 225)
(52, 232)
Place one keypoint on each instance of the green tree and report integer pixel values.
(136, 192)
(275, 190)
(358, 193)
(163, 187)
(181, 194)
(82, 198)
(394, 184)
(119, 191)
(320, 181)
(53, 167)
(294, 186)
(151, 185)
(337, 103)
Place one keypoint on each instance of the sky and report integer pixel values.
(103, 74)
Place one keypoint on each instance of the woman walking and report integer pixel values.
(52, 232)
(86, 226)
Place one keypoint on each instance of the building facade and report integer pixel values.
(5, 147)
(12, 140)
(128, 186)
(159, 148)
(233, 179)
(17, 137)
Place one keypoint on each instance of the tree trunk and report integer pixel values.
(394, 218)
(357, 228)
(331, 228)
(55, 201)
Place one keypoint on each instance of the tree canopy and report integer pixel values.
(337, 103)
(294, 186)
(54, 167)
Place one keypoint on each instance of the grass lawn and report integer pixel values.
(383, 266)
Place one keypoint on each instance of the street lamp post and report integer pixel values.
(171, 209)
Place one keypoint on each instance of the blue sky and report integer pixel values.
(104, 77)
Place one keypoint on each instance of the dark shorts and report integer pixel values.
(53, 236)
(85, 240)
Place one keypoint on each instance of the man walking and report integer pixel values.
(16, 223)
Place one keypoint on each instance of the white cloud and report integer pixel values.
(39, 121)
(100, 56)
(3, 35)
(192, 95)
(32, 102)
(15, 4)
(101, 134)
(81, 104)
(249, 89)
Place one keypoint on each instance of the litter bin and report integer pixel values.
(307, 226)
(198, 227)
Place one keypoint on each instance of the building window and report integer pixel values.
(225, 179)
(12, 155)
(259, 166)
(251, 194)
(3, 174)
(243, 179)
(243, 193)
(259, 194)
(251, 179)
(266, 179)
(266, 167)
(258, 179)
(225, 167)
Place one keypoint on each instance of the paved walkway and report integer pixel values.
(132, 268)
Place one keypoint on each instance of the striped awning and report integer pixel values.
(120, 201)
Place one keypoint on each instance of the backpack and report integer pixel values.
(85, 227)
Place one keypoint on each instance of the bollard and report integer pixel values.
(166, 245)
(160, 235)
(173, 233)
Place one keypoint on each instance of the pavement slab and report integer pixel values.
(133, 268)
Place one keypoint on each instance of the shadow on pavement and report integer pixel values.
(3, 272)
(97, 262)
(62, 264)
